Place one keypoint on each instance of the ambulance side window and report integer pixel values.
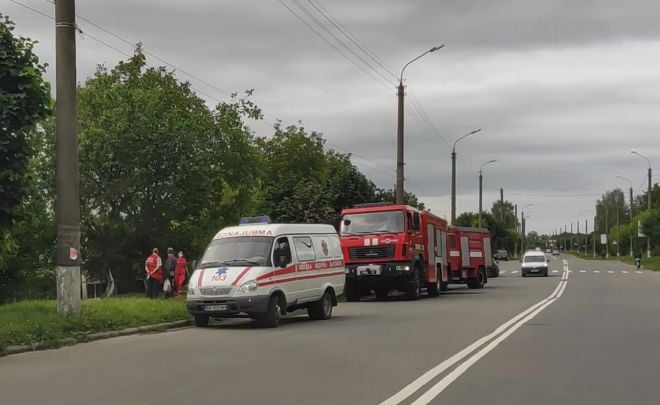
(282, 248)
(304, 248)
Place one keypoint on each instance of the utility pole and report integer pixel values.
(481, 180)
(515, 240)
(502, 216)
(577, 238)
(400, 195)
(631, 221)
(68, 202)
(648, 237)
(586, 237)
(618, 239)
(594, 238)
(571, 237)
(400, 199)
(607, 233)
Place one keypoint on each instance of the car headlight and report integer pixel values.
(191, 291)
(248, 287)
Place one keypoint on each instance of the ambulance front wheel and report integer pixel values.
(271, 319)
(201, 320)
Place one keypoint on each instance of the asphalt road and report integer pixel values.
(589, 333)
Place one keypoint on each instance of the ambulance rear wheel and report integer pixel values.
(321, 309)
(271, 319)
(201, 320)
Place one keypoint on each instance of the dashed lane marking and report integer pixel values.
(514, 272)
(610, 271)
(596, 271)
(638, 272)
(583, 271)
(624, 271)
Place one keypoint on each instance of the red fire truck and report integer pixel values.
(470, 259)
(393, 247)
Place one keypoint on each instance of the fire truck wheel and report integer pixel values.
(201, 320)
(351, 291)
(414, 287)
(444, 286)
(321, 309)
(480, 281)
(381, 293)
(435, 288)
(271, 319)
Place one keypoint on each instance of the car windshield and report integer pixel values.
(534, 259)
(238, 251)
(373, 222)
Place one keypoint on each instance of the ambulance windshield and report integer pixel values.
(373, 222)
(238, 251)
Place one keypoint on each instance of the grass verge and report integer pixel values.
(650, 263)
(29, 322)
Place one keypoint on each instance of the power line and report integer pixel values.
(333, 46)
(195, 77)
(427, 119)
(328, 16)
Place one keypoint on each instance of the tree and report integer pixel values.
(24, 99)
(389, 195)
(158, 168)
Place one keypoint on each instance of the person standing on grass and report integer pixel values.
(154, 268)
(180, 273)
(170, 267)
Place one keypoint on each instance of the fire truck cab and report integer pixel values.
(393, 247)
(469, 255)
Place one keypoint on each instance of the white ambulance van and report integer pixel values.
(262, 271)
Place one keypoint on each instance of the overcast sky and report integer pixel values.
(563, 89)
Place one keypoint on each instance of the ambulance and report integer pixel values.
(262, 271)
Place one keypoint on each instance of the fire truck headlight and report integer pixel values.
(404, 268)
(248, 287)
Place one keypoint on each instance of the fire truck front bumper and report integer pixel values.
(396, 269)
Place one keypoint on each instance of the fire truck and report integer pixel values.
(393, 247)
(470, 260)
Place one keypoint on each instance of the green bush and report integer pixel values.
(31, 322)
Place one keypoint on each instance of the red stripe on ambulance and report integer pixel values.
(287, 280)
(240, 276)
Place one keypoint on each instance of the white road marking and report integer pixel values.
(624, 271)
(596, 271)
(638, 272)
(514, 272)
(583, 271)
(495, 338)
(555, 271)
(610, 271)
(502, 271)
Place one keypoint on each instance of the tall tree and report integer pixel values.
(24, 99)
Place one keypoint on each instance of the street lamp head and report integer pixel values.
(435, 48)
(490, 161)
(475, 131)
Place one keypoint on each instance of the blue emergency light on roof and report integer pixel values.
(261, 219)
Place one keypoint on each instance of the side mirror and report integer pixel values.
(194, 264)
(283, 262)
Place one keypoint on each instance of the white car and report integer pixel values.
(534, 262)
(262, 271)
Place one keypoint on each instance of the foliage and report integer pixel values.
(24, 99)
(155, 163)
(304, 183)
(30, 322)
(389, 195)
(27, 271)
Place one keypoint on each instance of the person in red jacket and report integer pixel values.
(154, 268)
(180, 273)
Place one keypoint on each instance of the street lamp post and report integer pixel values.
(481, 187)
(648, 237)
(522, 229)
(453, 174)
(631, 211)
(586, 234)
(399, 135)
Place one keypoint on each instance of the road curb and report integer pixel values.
(159, 327)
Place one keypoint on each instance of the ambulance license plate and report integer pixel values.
(211, 308)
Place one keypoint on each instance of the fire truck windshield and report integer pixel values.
(373, 222)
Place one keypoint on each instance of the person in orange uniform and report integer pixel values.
(180, 273)
(154, 268)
